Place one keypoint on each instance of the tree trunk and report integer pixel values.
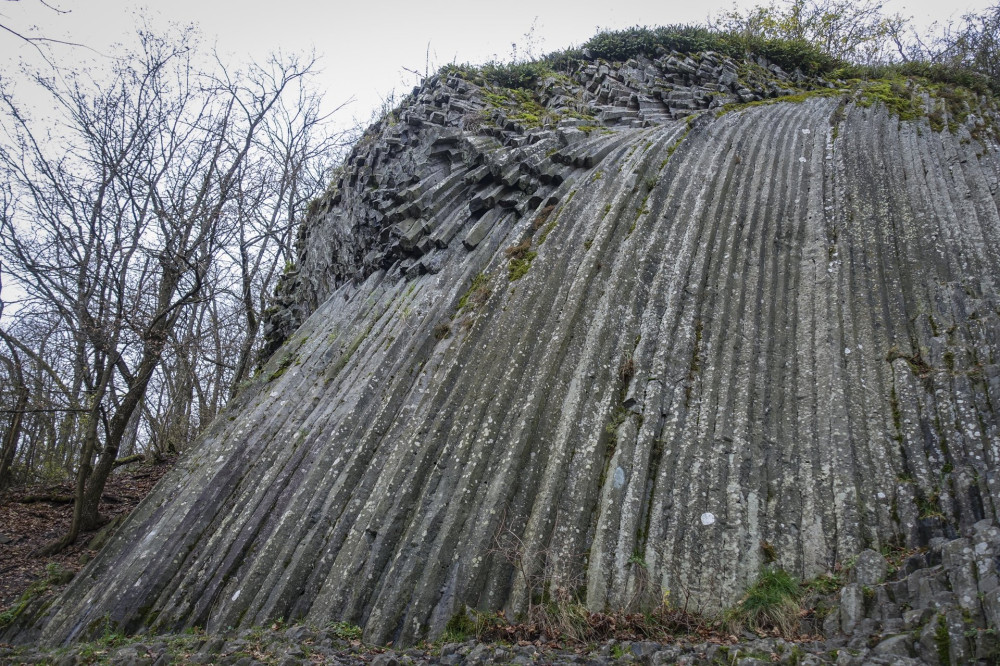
(13, 434)
(82, 475)
(85, 514)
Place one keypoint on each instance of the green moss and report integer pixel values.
(837, 117)
(672, 148)
(286, 362)
(942, 640)
(618, 417)
(797, 98)
(518, 268)
(552, 225)
(55, 575)
(899, 96)
(642, 209)
(521, 106)
(546, 231)
(15, 611)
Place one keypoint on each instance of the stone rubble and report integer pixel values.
(942, 607)
(310, 646)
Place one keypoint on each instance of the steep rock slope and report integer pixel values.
(651, 349)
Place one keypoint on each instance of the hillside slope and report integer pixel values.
(652, 340)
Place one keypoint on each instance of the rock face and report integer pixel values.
(650, 344)
(942, 606)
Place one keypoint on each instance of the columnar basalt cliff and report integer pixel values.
(656, 338)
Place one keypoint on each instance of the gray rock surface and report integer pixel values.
(870, 568)
(949, 624)
(632, 336)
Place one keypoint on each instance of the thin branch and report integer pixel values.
(43, 411)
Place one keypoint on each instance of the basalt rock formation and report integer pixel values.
(608, 337)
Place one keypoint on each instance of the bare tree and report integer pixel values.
(856, 31)
(40, 42)
(114, 219)
(272, 200)
(973, 44)
(19, 404)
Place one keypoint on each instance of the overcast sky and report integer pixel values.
(366, 47)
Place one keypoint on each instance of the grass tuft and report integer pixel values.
(770, 604)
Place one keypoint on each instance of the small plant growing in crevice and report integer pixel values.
(520, 257)
(695, 366)
(477, 295)
(929, 506)
(626, 370)
(442, 331)
(518, 251)
(917, 365)
(346, 631)
(942, 640)
(824, 584)
(896, 553)
(542, 217)
(459, 628)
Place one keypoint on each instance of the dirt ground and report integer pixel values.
(32, 516)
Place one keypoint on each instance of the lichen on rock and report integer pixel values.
(806, 293)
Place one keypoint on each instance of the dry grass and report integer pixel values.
(570, 622)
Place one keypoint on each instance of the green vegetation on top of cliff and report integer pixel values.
(833, 42)
(840, 39)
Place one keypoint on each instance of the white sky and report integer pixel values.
(364, 47)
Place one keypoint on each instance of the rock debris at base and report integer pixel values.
(306, 646)
(655, 345)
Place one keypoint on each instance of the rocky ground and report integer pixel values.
(304, 645)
